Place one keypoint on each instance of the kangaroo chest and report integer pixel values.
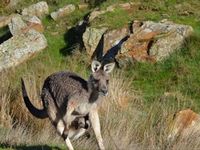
(84, 109)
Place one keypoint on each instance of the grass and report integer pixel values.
(178, 73)
(130, 113)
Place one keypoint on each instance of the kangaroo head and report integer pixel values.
(99, 78)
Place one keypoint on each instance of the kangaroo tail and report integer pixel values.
(39, 113)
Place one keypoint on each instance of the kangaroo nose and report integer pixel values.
(104, 90)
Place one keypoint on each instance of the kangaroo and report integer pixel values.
(71, 103)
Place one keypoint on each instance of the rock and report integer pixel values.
(170, 38)
(35, 23)
(148, 40)
(136, 25)
(91, 38)
(185, 123)
(126, 6)
(83, 6)
(21, 24)
(20, 47)
(39, 9)
(17, 25)
(62, 12)
(96, 13)
(130, 5)
(112, 37)
(153, 42)
(136, 47)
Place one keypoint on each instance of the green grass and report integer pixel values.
(109, 19)
(178, 73)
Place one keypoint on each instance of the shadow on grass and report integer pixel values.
(73, 37)
(31, 147)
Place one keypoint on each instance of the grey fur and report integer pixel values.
(71, 102)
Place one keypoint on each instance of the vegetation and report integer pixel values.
(143, 97)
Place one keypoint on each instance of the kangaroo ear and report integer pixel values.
(95, 65)
(109, 67)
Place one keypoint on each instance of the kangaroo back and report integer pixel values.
(39, 113)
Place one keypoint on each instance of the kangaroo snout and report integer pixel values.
(103, 91)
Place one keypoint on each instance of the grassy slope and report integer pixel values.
(178, 74)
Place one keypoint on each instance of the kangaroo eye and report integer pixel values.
(107, 81)
(96, 81)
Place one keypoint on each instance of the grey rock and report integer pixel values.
(153, 41)
(21, 24)
(170, 38)
(39, 9)
(96, 13)
(62, 12)
(112, 37)
(20, 47)
(91, 38)
(83, 6)
(17, 25)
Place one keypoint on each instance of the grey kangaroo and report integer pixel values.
(71, 103)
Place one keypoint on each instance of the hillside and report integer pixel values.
(144, 96)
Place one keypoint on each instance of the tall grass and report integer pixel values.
(127, 122)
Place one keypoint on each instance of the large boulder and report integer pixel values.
(62, 12)
(184, 125)
(39, 9)
(148, 40)
(25, 42)
(21, 24)
(20, 47)
(171, 37)
(136, 47)
(91, 38)
(112, 37)
(155, 41)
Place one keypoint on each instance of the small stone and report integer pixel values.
(39, 9)
(62, 12)
(83, 6)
